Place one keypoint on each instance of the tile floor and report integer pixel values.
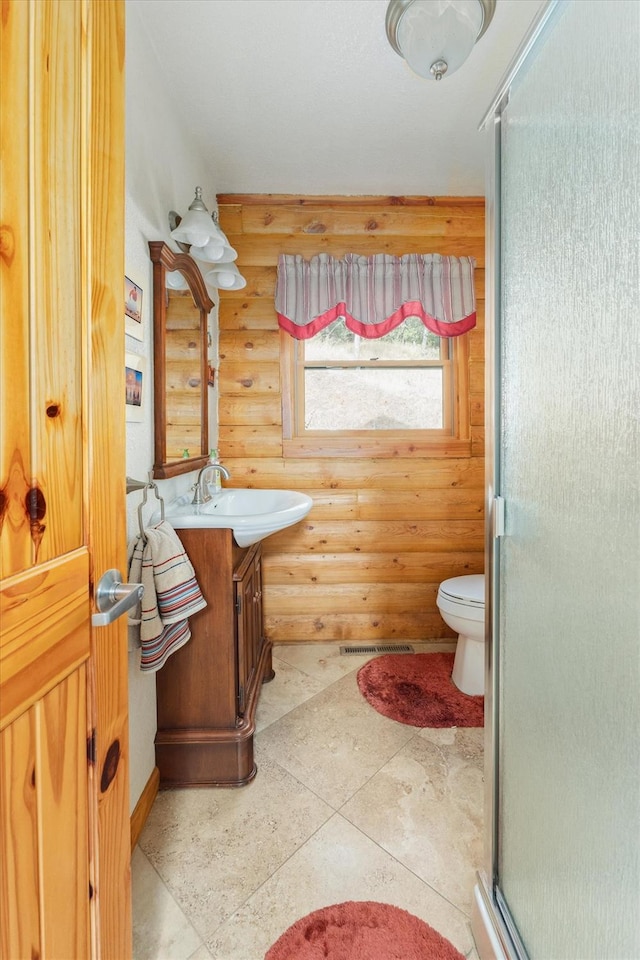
(347, 805)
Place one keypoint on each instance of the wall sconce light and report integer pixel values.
(435, 37)
(225, 276)
(196, 227)
(217, 250)
(198, 233)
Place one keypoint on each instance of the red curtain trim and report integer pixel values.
(374, 330)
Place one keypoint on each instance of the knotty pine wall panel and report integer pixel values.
(365, 564)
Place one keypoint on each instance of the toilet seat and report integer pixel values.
(466, 590)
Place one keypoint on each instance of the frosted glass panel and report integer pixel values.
(569, 581)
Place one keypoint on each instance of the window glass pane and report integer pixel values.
(361, 398)
(409, 341)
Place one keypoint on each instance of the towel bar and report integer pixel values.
(149, 485)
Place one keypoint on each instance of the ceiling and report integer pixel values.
(308, 97)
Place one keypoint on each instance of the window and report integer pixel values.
(404, 393)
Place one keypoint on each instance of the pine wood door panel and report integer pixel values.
(57, 362)
(45, 630)
(64, 879)
(19, 877)
(61, 784)
(44, 888)
(15, 340)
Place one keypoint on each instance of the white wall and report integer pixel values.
(162, 170)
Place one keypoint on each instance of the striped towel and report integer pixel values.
(171, 593)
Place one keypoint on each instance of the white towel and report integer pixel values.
(171, 593)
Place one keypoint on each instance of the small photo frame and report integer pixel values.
(133, 309)
(136, 386)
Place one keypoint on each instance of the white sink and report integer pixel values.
(251, 514)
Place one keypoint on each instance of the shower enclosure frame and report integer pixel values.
(494, 931)
(563, 447)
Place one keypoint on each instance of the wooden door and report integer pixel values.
(64, 882)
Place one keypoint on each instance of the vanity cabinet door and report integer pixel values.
(257, 608)
(248, 587)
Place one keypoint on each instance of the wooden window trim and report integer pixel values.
(381, 444)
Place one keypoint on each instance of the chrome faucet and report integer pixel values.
(202, 497)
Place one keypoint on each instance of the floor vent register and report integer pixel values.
(376, 648)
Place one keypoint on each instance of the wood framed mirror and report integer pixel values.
(180, 364)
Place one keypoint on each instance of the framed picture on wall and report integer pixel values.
(136, 386)
(133, 309)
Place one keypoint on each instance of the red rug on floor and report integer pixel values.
(362, 931)
(417, 689)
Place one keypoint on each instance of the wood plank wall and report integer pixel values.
(366, 563)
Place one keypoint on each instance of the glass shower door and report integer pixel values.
(567, 576)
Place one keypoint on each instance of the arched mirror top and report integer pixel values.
(180, 338)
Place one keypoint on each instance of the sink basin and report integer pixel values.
(251, 514)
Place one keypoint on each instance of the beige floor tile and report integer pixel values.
(425, 808)
(160, 928)
(338, 863)
(236, 861)
(289, 688)
(320, 660)
(325, 662)
(203, 954)
(334, 742)
(214, 847)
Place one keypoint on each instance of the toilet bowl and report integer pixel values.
(461, 604)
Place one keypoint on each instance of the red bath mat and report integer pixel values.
(417, 689)
(362, 931)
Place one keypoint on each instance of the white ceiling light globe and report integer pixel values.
(433, 31)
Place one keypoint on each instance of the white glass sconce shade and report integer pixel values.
(215, 251)
(435, 37)
(196, 228)
(225, 276)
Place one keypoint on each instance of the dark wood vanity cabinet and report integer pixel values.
(247, 581)
(208, 690)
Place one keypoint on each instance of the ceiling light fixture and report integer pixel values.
(435, 37)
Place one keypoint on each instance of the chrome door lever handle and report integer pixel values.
(113, 598)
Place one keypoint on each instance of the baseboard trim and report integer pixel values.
(143, 806)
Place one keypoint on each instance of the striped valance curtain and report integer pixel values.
(375, 294)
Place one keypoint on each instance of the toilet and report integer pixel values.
(461, 604)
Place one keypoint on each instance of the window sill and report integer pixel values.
(374, 448)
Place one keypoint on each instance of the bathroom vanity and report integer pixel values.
(208, 690)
